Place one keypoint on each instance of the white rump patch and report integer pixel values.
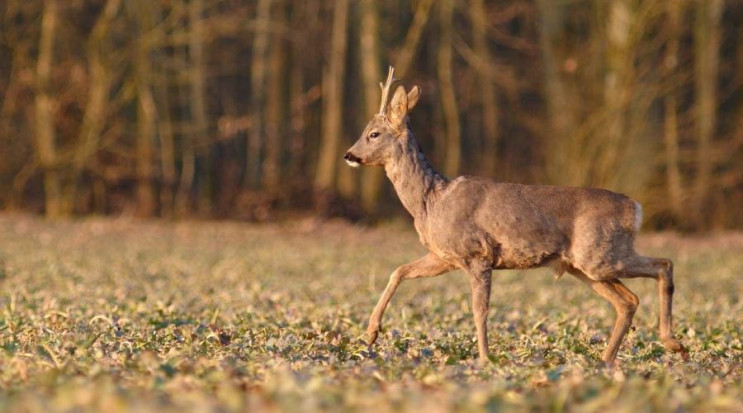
(353, 163)
(638, 216)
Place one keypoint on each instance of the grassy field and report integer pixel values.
(115, 315)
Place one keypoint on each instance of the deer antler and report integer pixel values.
(386, 89)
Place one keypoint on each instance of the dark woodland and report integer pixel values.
(243, 109)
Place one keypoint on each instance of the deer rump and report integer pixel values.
(512, 226)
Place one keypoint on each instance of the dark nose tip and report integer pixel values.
(351, 157)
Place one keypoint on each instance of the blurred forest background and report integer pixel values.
(243, 109)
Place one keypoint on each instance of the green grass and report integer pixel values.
(115, 315)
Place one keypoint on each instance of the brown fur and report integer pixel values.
(478, 225)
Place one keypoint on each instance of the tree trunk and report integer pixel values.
(256, 135)
(617, 84)
(98, 56)
(559, 110)
(348, 179)
(706, 66)
(188, 143)
(46, 140)
(371, 178)
(333, 79)
(453, 144)
(22, 62)
(167, 146)
(298, 123)
(670, 124)
(146, 112)
(197, 76)
(9, 96)
(304, 92)
(489, 108)
(275, 103)
(413, 37)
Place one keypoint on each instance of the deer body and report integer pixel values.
(511, 226)
(479, 225)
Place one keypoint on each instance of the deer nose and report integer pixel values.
(351, 157)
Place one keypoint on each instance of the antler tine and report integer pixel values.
(386, 89)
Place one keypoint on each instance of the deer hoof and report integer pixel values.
(372, 333)
(671, 344)
(485, 360)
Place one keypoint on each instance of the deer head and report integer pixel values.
(381, 137)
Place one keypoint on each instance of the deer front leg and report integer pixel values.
(428, 266)
(480, 284)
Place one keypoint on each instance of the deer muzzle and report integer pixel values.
(352, 159)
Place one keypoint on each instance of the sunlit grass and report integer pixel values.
(117, 315)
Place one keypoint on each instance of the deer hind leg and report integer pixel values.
(480, 283)
(428, 266)
(625, 303)
(661, 269)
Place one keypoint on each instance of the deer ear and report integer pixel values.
(398, 107)
(413, 96)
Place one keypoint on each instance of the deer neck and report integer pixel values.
(413, 177)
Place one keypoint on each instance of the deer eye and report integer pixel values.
(374, 135)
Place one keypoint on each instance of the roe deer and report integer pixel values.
(479, 225)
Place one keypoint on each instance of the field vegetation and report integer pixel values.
(118, 315)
